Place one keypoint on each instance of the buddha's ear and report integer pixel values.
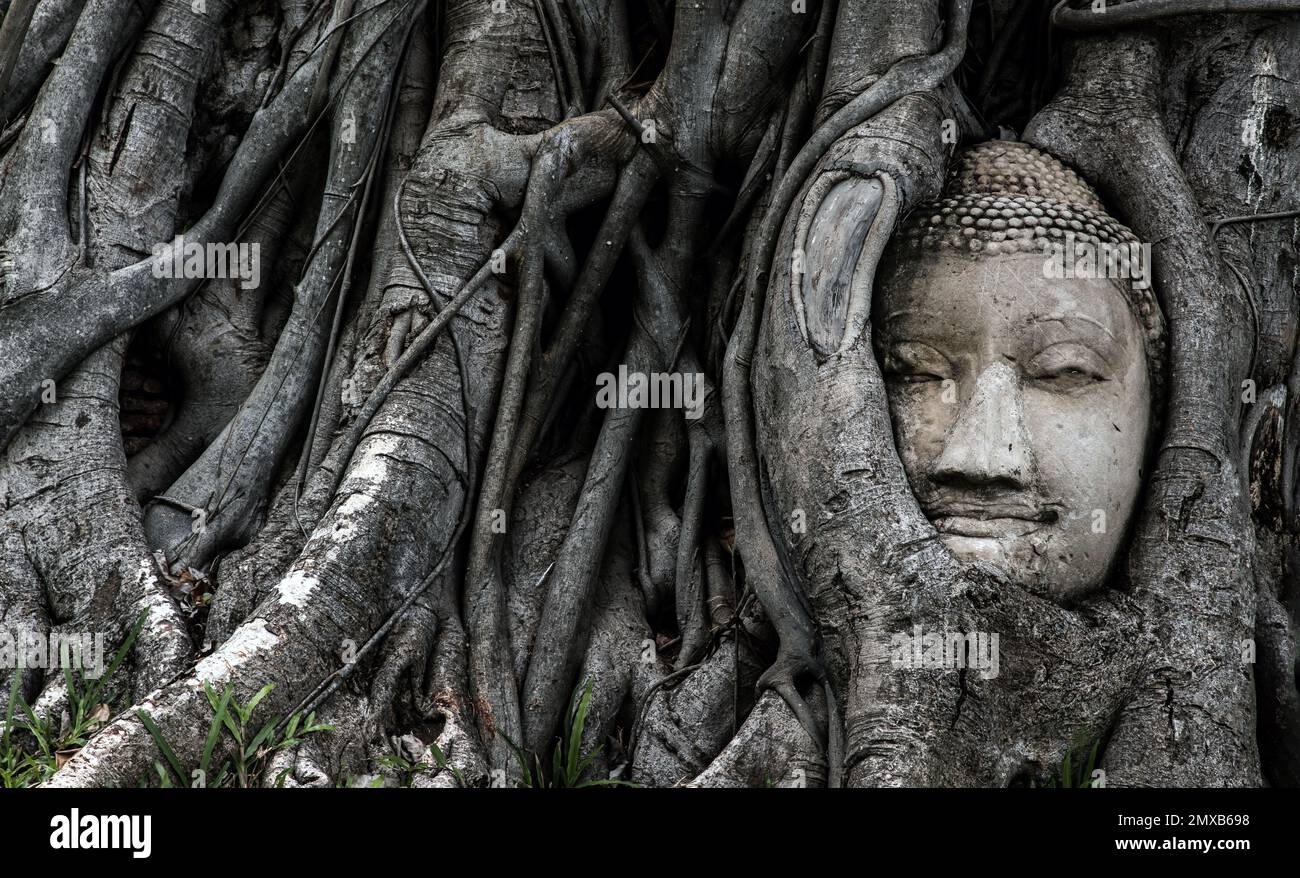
(839, 238)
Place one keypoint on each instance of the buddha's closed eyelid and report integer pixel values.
(1075, 329)
(1069, 363)
(914, 359)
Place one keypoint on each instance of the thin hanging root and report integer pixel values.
(332, 41)
(1250, 218)
(286, 51)
(330, 685)
(635, 737)
(705, 435)
(692, 617)
(634, 185)
(564, 65)
(835, 737)
(755, 179)
(1142, 12)
(721, 603)
(642, 544)
(782, 598)
(523, 344)
(491, 666)
(491, 663)
(520, 416)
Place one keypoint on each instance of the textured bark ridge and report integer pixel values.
(486, 392)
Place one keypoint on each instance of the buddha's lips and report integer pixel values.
(1011, 517)
(961, 526)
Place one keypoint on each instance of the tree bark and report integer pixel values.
(383, 478)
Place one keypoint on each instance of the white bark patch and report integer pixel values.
(148, 573)
(248, 640)
(372, 466)
(343, 525)
(296, 588)
(1261, 100)
(153, 590)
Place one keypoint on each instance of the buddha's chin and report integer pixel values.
(1015, 555)
(997, 551)
(1022, 560)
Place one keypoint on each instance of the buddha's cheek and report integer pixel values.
(1089, 454)
(921, 421)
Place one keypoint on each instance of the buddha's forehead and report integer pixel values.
(996, 294)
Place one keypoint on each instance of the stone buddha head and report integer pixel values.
(1021, 347)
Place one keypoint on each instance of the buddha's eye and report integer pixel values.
(1065, 367)
(915, 363)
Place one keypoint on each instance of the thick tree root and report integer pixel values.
(772, 749)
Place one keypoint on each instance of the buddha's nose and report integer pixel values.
(988, 444)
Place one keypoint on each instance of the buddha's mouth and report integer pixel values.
(1001, 526)
(989, 519)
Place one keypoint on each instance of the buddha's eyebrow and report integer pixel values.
(899, 314)
(1075, 316)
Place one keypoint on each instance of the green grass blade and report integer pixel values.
(229, 721)
(309, 725)
(214, 731)
(586, 760)
(97, 688)
(261, 736)
(39, 730)
(519, 757)
(163, 746)
(441, 758)
(578, 721)
(9, 709)
(257, 699)
(75, 701)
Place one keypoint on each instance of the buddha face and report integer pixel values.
(1021, 406)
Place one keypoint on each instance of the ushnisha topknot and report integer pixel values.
(1006, 197)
